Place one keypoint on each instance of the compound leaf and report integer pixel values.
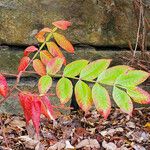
(83, 95)
(39, 67)
(122, 100)
(101, 100)
(63, 42)
(64, 90)
(45, 56)
(139, 95)
(3, 86)
(110, 75)
(74, 68)
(132, 78)
(44, 84)
(54, 65)
(93, 69)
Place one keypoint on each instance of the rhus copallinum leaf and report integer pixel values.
(55, 50)
(46, 108)
(110, 75)
(63, 42)
(26, 99)
(23, 63)
(44, 84)
(132, 78)
(122, 100)
(40, 35)
(39, 67)
(139, 95)
(54, 65)
(29, 50)
(62, 24)
(93, 69)
(45, 56)
(64, 90)
(74, 68)
(36, 112)
(101, 100)
(3, 86)
(83, 95)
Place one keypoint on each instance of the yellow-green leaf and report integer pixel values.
(74, 68)
(64, 90)
(44, 84)
(111, 74)
(122, 100)
(83, 95)
(139, 95)
(93, 69)
(101, 100)
(45, 56)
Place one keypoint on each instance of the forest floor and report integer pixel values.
(77, 131)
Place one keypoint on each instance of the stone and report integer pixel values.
(95, 22)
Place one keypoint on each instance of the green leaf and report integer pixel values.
(101, 100)
(139, 95)
(64, 90)
(132, 78)
(74, 68)
(92, 70)
(110, 75)
(122, 100)
(83, 95)
(54, 65)
(44, 84)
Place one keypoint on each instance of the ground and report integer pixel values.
(79, 131)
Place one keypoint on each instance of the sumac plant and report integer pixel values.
(48, 60)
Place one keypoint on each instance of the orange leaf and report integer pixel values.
(23, 63)
(29, 50)
(40, 36)
(39, 67)
(55, 50)
(3, 86)
(62, 24)
(45, 57)
(63, 42)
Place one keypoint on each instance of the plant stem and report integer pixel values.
(21, 72)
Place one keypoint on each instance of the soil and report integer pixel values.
(79, 131)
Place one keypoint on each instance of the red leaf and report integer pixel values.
(23, 63)
(36, 112)
(47, 108)
(63, 42)
(62, 24)
(25, 99)
(55, 50)
(3, 86)
(39, 67)
(40, 36)
(29, 50)
(54, 65)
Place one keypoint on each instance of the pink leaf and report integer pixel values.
(54, 65)
(29, 50)
(3, 86)
(47, 108)
(23, 63)
(62, 24)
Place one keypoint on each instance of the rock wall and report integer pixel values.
(95, 22)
